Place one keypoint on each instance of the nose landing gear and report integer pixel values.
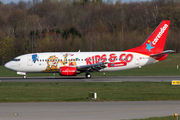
(22, 73)
(24, 76)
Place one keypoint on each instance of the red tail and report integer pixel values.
(156, 41)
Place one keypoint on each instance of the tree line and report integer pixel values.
(86, 25)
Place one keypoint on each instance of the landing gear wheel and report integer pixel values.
(24, 77)
(88, 75)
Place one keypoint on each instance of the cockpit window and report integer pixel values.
(16, 60)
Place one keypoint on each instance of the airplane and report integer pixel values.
(73, 63)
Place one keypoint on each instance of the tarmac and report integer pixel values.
(88, 110)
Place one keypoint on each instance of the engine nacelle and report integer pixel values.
(68, 71)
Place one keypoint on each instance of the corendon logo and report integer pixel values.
(160, 34)
(112, 58)
(117, 64)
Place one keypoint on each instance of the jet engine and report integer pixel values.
(68, 71)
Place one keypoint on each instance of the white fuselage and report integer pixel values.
(52, 61)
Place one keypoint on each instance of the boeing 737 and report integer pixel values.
(73, 63)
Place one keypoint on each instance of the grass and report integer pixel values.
(58, 92)
(167, 67)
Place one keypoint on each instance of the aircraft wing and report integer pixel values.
(93, 67)
(160, 55)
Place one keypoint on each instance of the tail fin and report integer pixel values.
(156, 41)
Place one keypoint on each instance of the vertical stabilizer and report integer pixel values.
(156, 41)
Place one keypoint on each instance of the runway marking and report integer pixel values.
(135, 109)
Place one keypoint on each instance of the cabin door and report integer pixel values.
(137, 60)
(29, 61)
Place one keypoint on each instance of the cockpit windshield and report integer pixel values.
(16, 60)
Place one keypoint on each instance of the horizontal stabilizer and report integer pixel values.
(162, 56)
(164, 52)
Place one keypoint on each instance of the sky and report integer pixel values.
(16, 1)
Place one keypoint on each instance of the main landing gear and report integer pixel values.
(88, 75)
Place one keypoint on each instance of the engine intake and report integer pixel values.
(68, 71)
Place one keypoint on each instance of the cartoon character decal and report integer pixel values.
(53, 63)
(34, 57)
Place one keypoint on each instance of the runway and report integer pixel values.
(88, 110)
(93, 79)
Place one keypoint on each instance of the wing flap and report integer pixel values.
(93, 67)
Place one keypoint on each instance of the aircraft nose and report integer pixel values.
(7, 65)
